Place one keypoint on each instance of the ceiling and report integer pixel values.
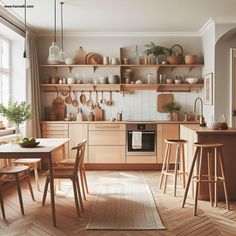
(185, 16)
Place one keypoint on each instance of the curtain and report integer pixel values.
(32, 87)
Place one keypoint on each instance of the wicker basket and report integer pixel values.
(175, 58)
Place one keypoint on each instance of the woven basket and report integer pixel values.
(175, 58)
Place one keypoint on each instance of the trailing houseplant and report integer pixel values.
(16, 113)
(155, 50)
(173, 108)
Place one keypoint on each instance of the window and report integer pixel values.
(5, 70)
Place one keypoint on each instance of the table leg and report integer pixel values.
(52, 192)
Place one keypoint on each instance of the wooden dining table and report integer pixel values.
(48, 149)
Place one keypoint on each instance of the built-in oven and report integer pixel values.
(146, 139)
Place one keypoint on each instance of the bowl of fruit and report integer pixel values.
(28, 143)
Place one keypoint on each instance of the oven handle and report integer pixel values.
(143, 132)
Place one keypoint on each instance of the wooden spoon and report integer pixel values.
(68, 99)
(74, 102)
(82, 98)
(89, 102)
(109, 103)
(103, 101)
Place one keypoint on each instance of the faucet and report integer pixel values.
(202, 121)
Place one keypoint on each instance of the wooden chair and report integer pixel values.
(69, 173)
(32, 164)
(14, 174)
(70, 163)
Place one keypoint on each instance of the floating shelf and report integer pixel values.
(121, 87)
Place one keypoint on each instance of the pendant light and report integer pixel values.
(62, 52)
(53, 57)
(25, 54)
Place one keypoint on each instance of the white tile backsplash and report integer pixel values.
(135, 105)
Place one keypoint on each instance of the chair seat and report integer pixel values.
(13, 169)
(27, 161)
(61, 173)
(67, 161)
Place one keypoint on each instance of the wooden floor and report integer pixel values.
(178, 221)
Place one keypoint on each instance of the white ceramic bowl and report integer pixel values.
(113, 79)
(178, 81)
(70, 80)
(103, 80)
(192, 80)
(169, 81)
(69, 61)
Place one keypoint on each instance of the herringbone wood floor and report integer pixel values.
(178, 221)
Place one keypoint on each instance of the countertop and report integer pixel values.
(122, 122)
(206, 130)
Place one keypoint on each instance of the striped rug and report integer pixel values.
(125, 206)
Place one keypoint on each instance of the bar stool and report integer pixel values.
(179, 159)
(211, 178)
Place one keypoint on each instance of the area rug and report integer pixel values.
(125, 206)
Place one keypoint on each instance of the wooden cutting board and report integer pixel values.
(98, 113)
(59, 108)
(163, 99)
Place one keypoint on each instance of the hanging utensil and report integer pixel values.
(64, 92)
(68, 99)
(89, 102)
(82, 98)
(109, 103)
(74, 102)
(103, 101)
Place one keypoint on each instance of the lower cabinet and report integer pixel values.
(166, 131)
(77, 133)
(141, 159)
(107, 154)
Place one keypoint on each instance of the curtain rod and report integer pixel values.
(13, 24)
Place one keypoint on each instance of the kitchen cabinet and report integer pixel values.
(77, 133)
(141, 159)
(166, 131)
(55, 130)
(106, 143)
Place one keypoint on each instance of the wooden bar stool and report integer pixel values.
(212, 177)
(179, 159)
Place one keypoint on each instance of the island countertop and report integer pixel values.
(205, 130)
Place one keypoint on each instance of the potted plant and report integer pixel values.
(173, 108)
(16, 113)
(155, 50)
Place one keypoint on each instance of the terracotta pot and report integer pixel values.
(191, 59)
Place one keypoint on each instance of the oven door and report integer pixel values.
(148, 144)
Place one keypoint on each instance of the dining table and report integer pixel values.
(48, 149)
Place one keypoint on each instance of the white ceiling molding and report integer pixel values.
(123, 34)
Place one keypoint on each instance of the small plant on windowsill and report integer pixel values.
(155, 50)
(16, 113)
(173, 108)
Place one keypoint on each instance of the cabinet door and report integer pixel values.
(106, 154)
(77, 133)
(106, 137)
(167, 131)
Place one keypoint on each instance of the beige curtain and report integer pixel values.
(33, 87)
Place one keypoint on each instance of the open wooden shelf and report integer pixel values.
(121, 87)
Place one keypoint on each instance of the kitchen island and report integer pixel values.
(194, 133)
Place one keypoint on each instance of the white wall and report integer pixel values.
(139, 105)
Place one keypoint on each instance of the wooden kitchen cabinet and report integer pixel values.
(54, 130)
(166, 131)
(77, 133)
(106, 143)
(141, 159)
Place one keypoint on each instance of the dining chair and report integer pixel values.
(33, 166)
(60, 172)
(69, 163)
(15, 174)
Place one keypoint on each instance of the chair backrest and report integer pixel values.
(79, 155)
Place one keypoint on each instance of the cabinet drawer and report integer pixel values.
(106, 137)
(106, 126)
(55, 127)
(55, 134)
(106, 154)
(141, 159)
